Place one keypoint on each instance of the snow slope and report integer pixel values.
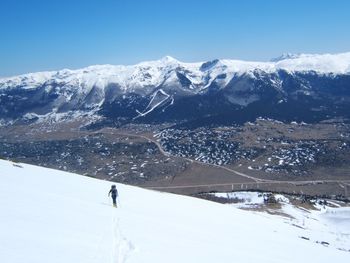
(330, 223)
(54, 216)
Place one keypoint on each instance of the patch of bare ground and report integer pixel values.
(272, 209)
(306, 206)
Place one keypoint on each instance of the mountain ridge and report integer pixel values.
(174, 91)
(312, 61)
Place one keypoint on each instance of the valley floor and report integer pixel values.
(266, 155)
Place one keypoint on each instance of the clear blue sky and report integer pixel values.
(39, 35)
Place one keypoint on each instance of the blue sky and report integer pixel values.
(38, 35)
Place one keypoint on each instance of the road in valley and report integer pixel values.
(256, 181)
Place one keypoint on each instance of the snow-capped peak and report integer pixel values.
(155, 72)
(168, 59)
(285, 56)
(323, 64)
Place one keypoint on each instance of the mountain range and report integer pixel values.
(302, 87)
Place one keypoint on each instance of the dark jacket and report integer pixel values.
(114, 192)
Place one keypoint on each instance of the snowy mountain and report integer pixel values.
(286, 56)
(61, 217)
(167, 90)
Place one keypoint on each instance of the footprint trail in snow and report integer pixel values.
(122, 247)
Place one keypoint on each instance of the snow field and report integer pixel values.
(54, 216)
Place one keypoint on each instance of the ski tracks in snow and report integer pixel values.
(122, 247)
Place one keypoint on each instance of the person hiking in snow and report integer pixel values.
(114, 193)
